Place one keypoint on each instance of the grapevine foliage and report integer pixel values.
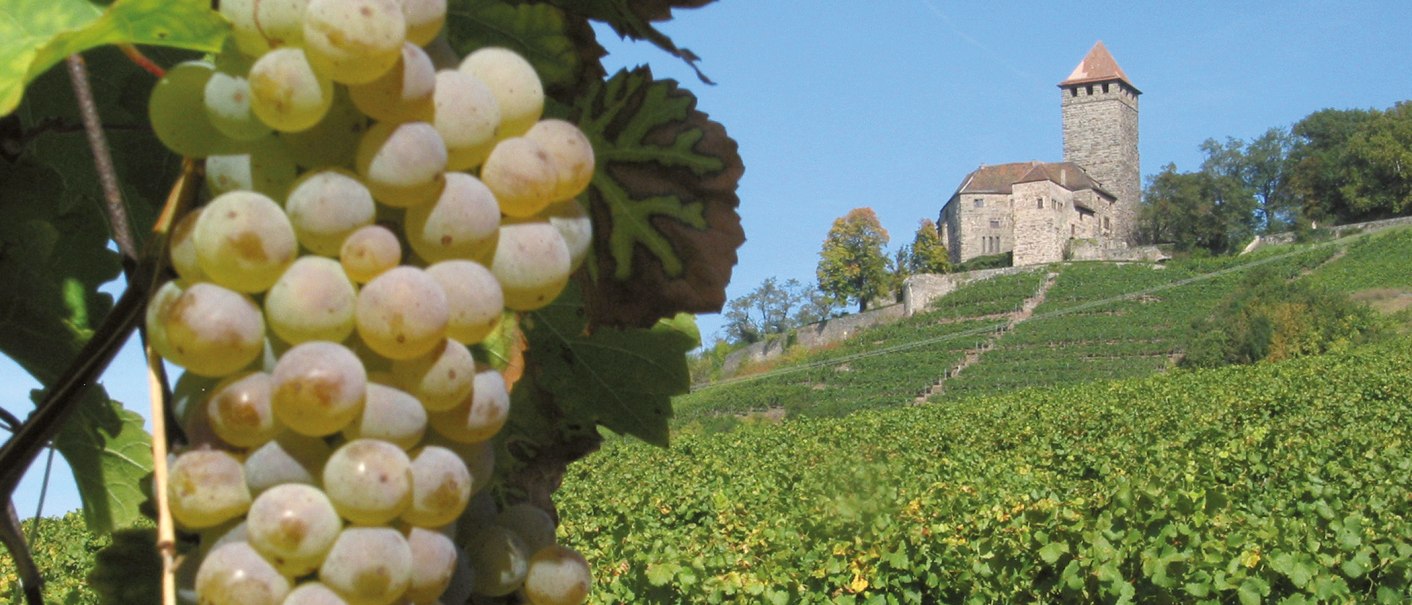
(36, 34)
(663, 201)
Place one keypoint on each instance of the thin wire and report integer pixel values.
(43, 490)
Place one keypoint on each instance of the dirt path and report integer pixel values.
(974, 355)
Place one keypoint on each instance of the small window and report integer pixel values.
(1074, 91)
(1089, 90)
(1073, 230)
(1040, 204)
(995, 223)
(1105, 87)
(980, 203)
(1105, 224)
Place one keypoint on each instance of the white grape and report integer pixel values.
(178, 114)
(353, 41)
(235, 574)
(467, 116)
(325, 206)
(402, 313)
(264, 166)
(368, 566)
(181, 248)
(424, 19)
(532, 264)
(522, 176)
(460, 224)
(244, 241)
(313, 300)
(433, 564)
(227, 101)
(402, 163)
(404, 94)
(479, 417)
(557, 576)
(313, 593)
(288, 458)
(207, 329)
(285, 91)
(473, 297)
(516, 86)
(293, 526)
(333, 141)
(389, 414)
(368, 252)
(575, 225)
(369, 481)
(571, 154)
(206, 488)
(499, 560)
(189, 398)
(318, 387)
(441, 487)
(534, 526)
(240, 411)
(440, 378)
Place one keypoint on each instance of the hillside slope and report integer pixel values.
(1096, 321)
(1243, 484)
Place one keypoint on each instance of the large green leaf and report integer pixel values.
(36, 34)
(663, 201)
(110, 454)
(623, 379)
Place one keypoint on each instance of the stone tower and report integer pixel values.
(1099, 105)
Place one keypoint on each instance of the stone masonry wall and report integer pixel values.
(1101, 134)
(920, 290)
(1040, 232)
(973, 225)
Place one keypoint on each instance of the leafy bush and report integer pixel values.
(994, 261)
(1271, 318)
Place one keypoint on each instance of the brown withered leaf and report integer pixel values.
(663, 201)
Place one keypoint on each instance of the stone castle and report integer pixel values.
(1039, 210)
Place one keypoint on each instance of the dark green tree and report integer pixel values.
(1319, 166)
(1194, 210)
(852, 264)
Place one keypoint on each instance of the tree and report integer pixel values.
(1379, 156)
(1194, 210)
(1319, 165)
(926, 254)
(852, 264)
(774, 308)
(1266, 174)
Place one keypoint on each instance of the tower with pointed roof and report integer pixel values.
(1099, 106)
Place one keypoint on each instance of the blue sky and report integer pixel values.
(888, 104)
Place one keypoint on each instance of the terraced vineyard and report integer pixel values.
(883, 366)
(1099, 321)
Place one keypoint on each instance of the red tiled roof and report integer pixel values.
(1000, 178)
(1097, 66)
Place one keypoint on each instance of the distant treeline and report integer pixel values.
(1334, 166)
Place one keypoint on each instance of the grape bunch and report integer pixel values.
(375, 205)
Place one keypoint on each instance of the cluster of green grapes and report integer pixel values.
(374, 208)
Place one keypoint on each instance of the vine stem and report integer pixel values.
(102, 158)
(166, 535)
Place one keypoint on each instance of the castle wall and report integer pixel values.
(1041, 222)
(1101, 134)
(984, 230)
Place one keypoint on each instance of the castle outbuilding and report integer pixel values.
(1038, 210)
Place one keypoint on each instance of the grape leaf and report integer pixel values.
(663, 201)
(539, 32)
(36, 34)
(110, 454)
(623, 379)
(633, 19)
